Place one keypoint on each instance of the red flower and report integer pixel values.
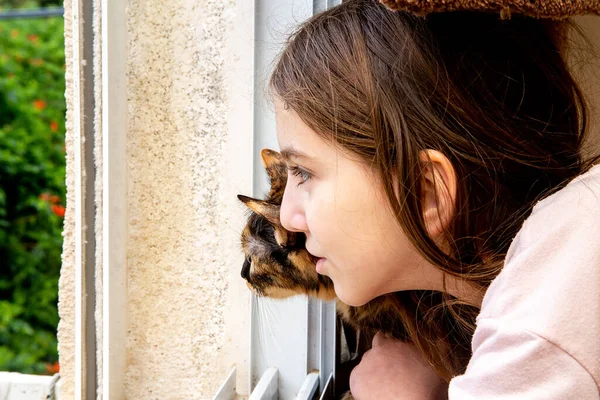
(45, 196)
(50, 198)
(33, 37)
(52, 368)
(39, 104)
(54, 126)
(58, 210)
(14, 33)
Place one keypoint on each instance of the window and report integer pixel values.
(292, 342)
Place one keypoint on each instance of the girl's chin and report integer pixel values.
(350, 298)
(320, 267)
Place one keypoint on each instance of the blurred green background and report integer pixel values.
(32, 187)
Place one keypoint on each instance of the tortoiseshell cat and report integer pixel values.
(277, 264)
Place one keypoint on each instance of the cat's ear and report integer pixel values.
(268, 210)
(277, 171)
(283, 237)
(271, 158)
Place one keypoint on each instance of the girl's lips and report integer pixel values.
(314, 259)
(319, 266)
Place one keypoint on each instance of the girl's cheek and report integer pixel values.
(319, 217)
(313, 211)
(309, 214)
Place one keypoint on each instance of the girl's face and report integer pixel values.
(341, 207)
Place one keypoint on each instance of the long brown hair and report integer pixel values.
(495, 96)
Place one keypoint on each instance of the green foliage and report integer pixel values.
(6, 4)
(32, 190)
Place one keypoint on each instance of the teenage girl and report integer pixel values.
(443, 156)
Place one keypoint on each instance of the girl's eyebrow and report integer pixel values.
(289, 153)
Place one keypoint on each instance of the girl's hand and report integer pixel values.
(395, 370)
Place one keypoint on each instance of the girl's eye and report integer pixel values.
(297, 171)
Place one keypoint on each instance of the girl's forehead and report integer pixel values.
(292, 132)
(299, 141)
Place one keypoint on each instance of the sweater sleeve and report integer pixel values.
(511, 363)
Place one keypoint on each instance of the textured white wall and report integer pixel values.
(183, 232)
(66, 283)
(189, 151)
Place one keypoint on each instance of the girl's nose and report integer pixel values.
(292, 214)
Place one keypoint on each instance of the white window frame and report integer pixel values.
(293, 341)
(81, 19)
(114, 197)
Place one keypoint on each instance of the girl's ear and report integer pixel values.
(438, 192)
(268, 210)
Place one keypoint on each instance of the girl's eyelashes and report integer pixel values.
(297, 171)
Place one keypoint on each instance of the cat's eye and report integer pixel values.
(303, 174)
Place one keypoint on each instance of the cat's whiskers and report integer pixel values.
(272, 316)
(266, 313)
(259, 326)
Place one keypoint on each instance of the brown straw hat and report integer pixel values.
(553, 9)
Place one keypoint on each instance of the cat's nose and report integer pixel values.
(246, 270)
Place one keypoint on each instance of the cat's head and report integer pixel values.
(277, 264)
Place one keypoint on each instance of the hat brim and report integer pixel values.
(551, 9)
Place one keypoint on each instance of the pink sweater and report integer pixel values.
(538, 333)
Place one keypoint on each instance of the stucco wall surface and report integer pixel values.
(177, 249)
(66, 283)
